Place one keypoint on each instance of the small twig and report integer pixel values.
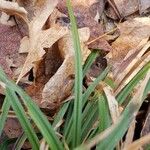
(101, 36)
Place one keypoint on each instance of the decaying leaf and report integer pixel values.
(85, 13)
(13, 8)
(59, 86)
(9, 44)
(39, 38)
(144, 6)
(130, 134)
(126, 7)
(12, 128)
(146, 126)
(131, 34)
(113, 104)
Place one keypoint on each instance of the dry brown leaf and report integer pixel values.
(12, 128)
(9, 44)
(130, 60)
(59, 86)
(38, 38)
(13, 8)
(144, 6)
(132, 32)
(136, 145)
(146, 126)
(112, 103)
(136, 68)
(126, 7)
(130, 134)
(85, 14)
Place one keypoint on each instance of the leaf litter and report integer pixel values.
(36, 49)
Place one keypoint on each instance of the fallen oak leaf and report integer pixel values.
(132, 32)
(59, 86)
(35, 33)
(45, 40)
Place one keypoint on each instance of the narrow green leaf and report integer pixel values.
(35, 113)
(78, 80)
(3, 116)
(126, 91)
(86, 95)
(22, 117)
(93, 85)
(20, 141)
(91, 58)
(109, 138)
(68, 120)
(60, 114)
(4, 145)
(41, 121)
(104, 115)
(92, 117)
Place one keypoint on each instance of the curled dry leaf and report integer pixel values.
(4, 19)
(55, 74)
(112, 103)
(59, 86)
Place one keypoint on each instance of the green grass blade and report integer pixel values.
(85, 98)
(41, 121)
(91, 58)
(36, 114)
(93, 133)
(4, 145)
(3, 116)
(104, 115)
(114, 134)
(89, 121)
(78, 80)
(60, 114)
(126, 91)
(20, 141)
(93, 85)
(22, 117)
(68, 120)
